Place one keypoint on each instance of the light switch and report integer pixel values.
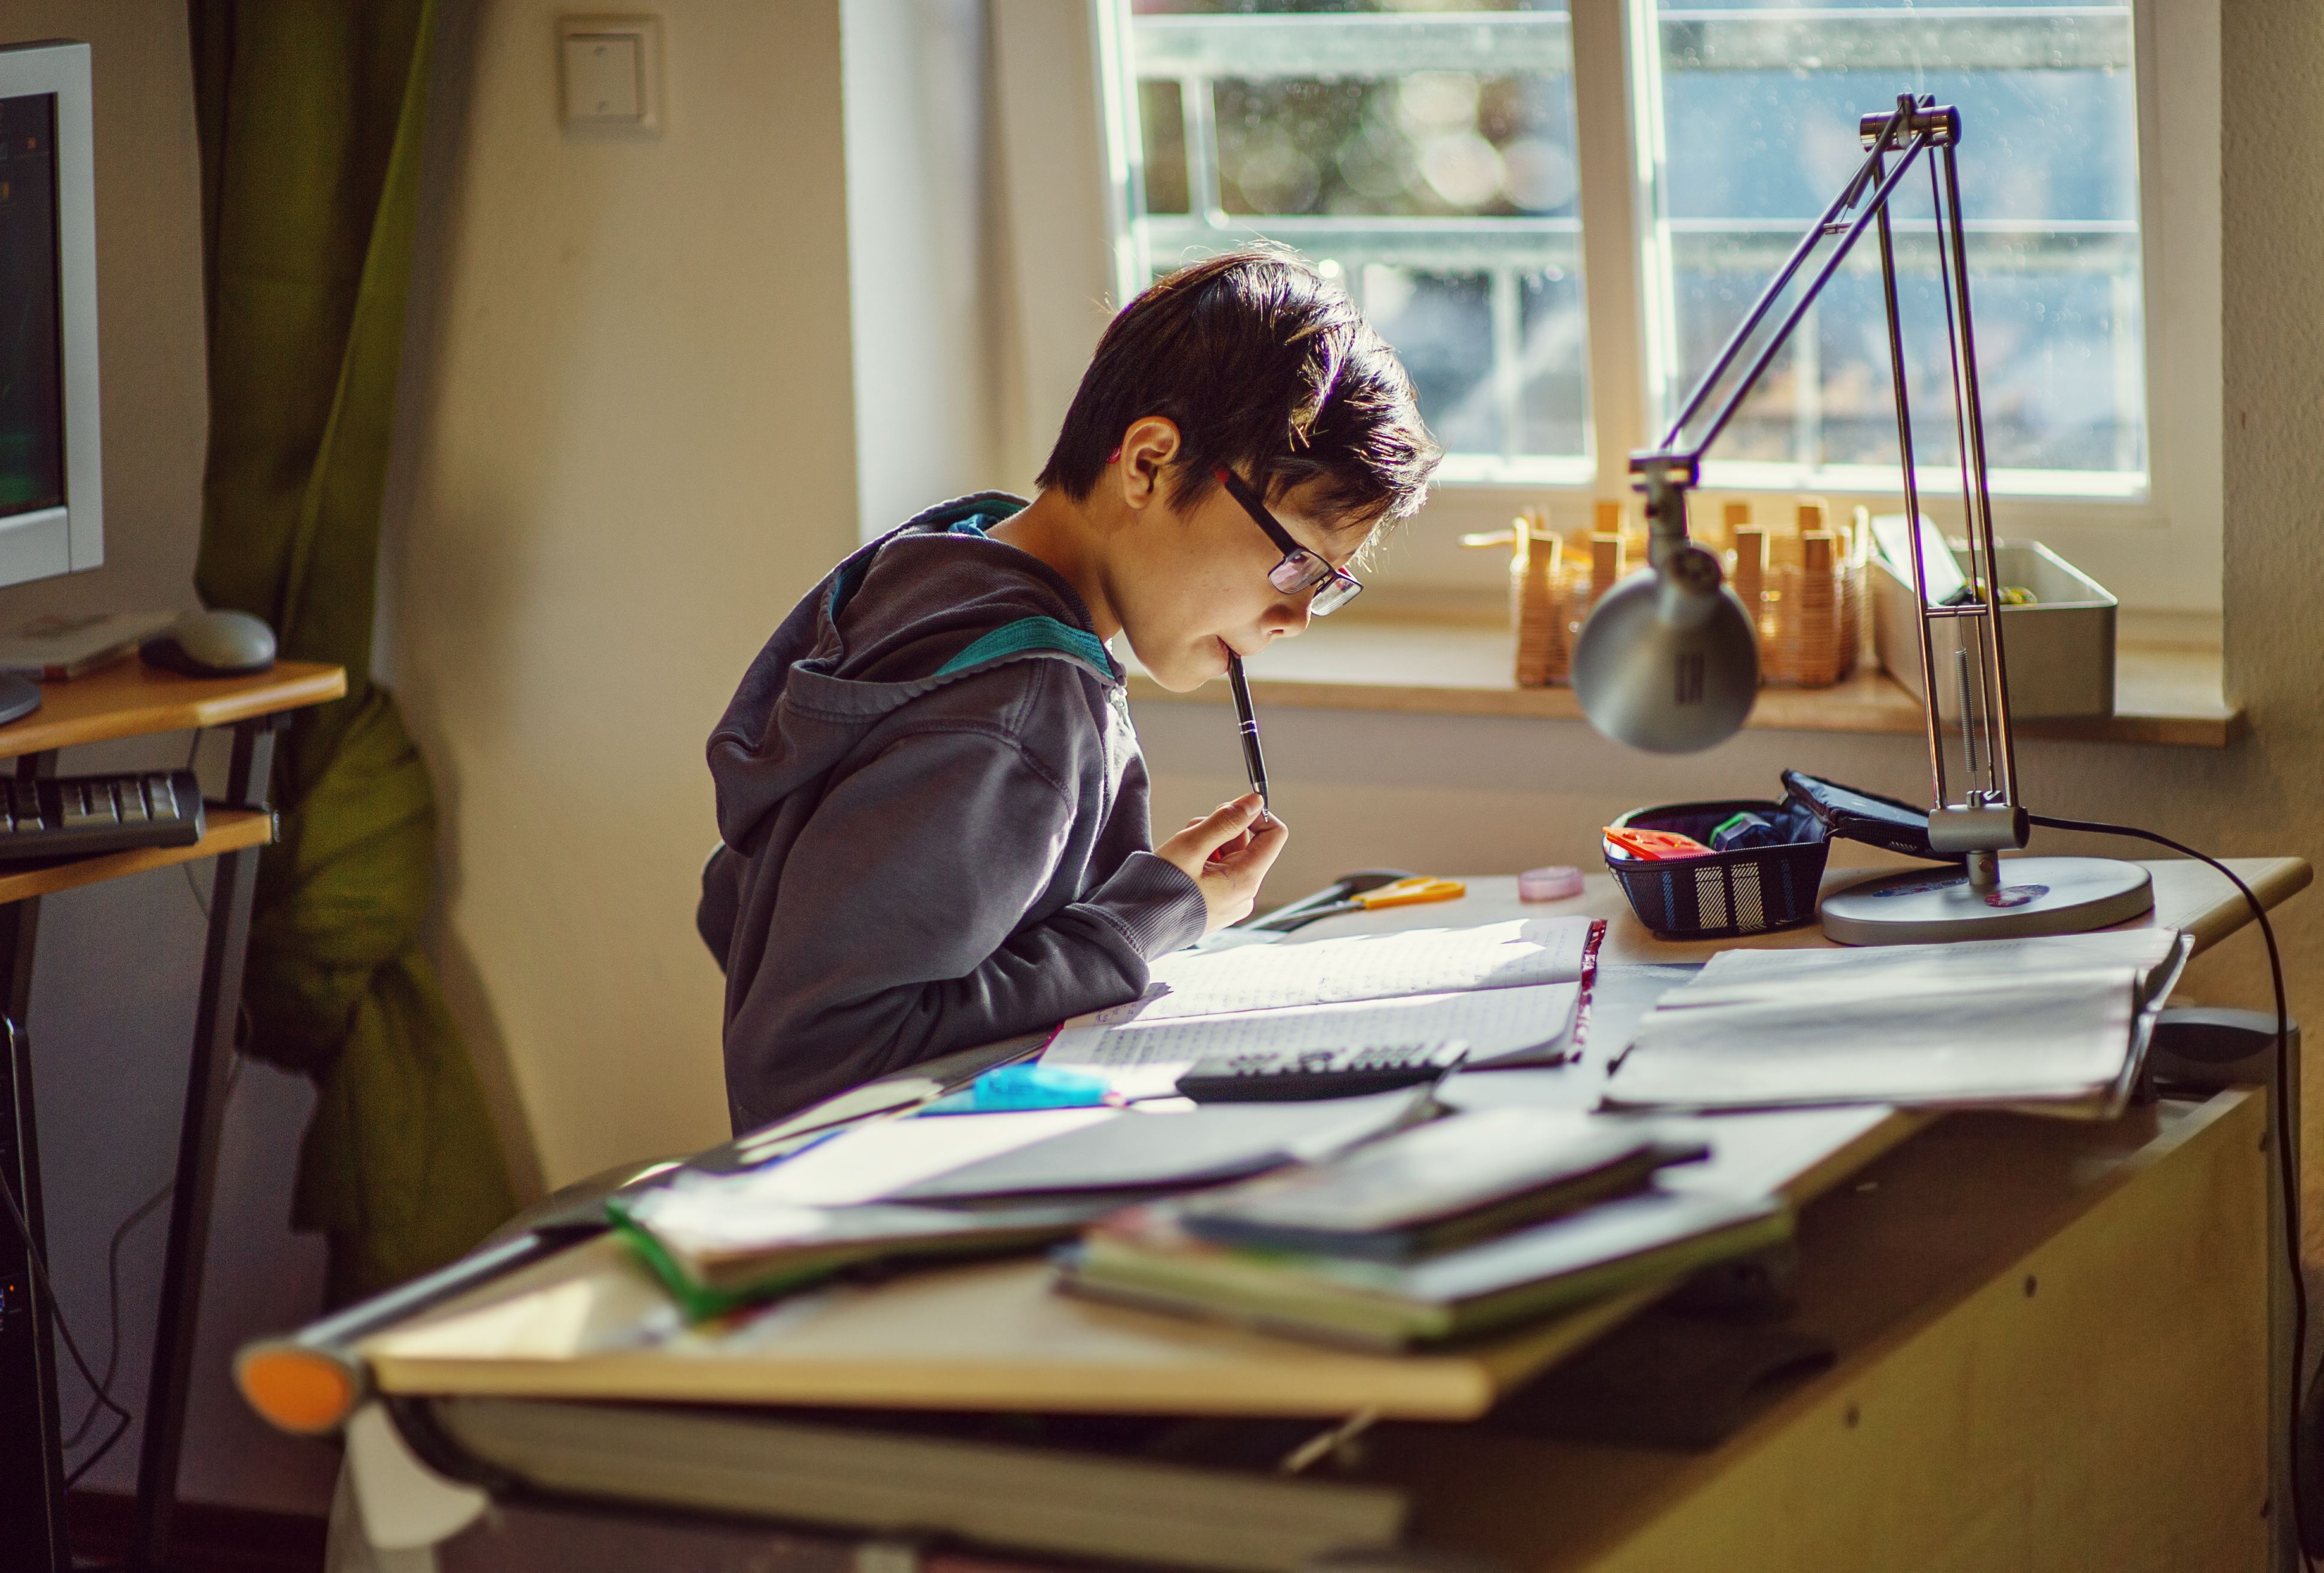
(601, 78)
(613, 72)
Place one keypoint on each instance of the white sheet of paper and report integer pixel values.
(1360, 966)
(868, 1161)
(1941, 973)
(1144, 1057)
(2057, 1036)
(1894, 538)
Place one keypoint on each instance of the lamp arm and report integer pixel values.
(1884, 184)
(1867, 171)
(1688, 577)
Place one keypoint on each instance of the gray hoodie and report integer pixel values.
(933, 812)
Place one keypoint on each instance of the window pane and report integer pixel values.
(1753, 113)
(1425, 158)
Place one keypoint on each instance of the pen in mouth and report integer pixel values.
(1254, 761)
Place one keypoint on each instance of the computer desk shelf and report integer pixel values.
(226, 830)
(132, 699)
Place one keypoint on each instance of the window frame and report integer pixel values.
(2159, 552)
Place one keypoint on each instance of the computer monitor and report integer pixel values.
(51, 475)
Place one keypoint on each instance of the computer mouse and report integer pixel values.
(212, 645)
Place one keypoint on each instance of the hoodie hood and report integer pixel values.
(930, 603)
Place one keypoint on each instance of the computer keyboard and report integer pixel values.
(74, 816)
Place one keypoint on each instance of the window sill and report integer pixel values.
(2167, 695)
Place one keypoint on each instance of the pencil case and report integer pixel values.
(1754, 890)
(1853, 814)
(1723, 895)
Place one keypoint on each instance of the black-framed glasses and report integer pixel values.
(1300, 569)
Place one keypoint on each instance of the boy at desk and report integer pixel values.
(931, 804)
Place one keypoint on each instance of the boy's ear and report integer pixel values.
(1147, 448)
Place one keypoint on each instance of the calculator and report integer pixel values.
(1282, 1076)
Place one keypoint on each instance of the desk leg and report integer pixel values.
(33, 1483)
(231, 890)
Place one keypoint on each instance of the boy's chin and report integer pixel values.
(1188, 669)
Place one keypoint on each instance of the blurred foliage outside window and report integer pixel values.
(1425, 155)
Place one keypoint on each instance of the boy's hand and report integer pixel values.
(1227, 853)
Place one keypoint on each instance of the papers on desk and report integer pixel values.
(871, 1163)
(2058, 1023)
(1361, 967)
(1144, 1057)
(878, 1191)
(1501, 988)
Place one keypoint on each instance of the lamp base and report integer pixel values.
(2037, 895)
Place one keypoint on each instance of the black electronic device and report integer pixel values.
(2204, 1048)
(1311, 1073)
(75, 815)
(32, 1466)
(19, 696)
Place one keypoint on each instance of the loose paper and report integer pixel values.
(1144, 1057)
(881, 1157)
(1360, 966)
(2059, 1020)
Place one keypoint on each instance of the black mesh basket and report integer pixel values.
(1724, 894)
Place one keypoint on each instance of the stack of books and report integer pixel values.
(1178, 1492)
(897, 1190)
(1437, 1234)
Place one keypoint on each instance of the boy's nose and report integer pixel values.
(1289, 616)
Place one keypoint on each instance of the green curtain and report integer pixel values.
(309, 114)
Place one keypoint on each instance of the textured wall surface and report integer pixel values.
(2272, 217)
(629, 447)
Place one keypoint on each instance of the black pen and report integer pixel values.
(1253, 761)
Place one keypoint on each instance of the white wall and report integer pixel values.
(2272, 211)
(919, 251)
(629, 448)
(119, 965)
(1053, 294)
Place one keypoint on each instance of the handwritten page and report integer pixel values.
(1144, 1057)
(1516, 954)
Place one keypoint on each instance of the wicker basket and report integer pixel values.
(1553, 584)
(1806, 589)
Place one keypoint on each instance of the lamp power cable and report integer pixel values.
(2287, 1134)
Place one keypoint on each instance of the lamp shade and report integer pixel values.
(1669, 662)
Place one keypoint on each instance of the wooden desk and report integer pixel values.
(2053, 1340)
(2053, 1355)
(129, 700)
(2187, 895)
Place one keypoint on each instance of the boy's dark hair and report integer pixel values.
(1266, 367)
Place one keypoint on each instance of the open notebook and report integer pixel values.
(1501, 988)
(2058, 1023)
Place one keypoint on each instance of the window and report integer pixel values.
(1747, 119)
(1427, 160)
(1433, 160)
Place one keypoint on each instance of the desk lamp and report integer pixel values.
(1669, 662)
